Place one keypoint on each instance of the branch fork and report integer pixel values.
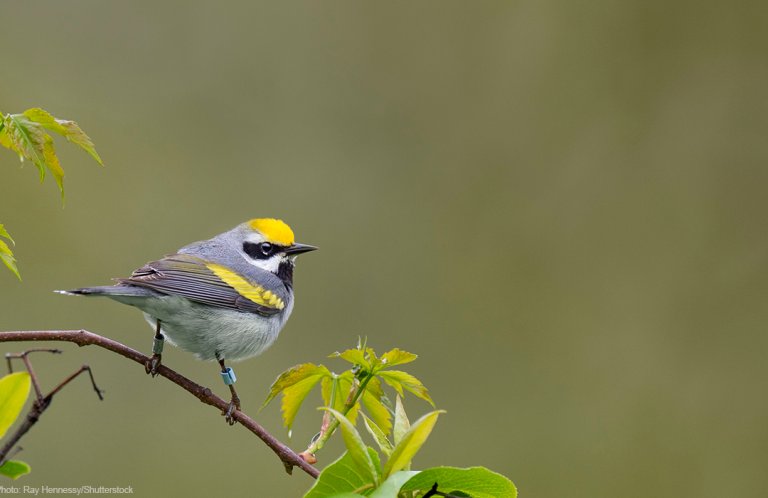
(85, 338)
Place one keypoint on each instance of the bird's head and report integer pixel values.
(269, 244)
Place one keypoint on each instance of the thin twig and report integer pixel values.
(85, 338)
(41, 403)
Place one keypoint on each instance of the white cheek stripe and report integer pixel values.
(271, 264)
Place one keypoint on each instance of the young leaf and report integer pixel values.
(295, 384)
(397, 357)
(339, 479)
(477, 482)
(354, 356)
(356, 447)
(4, 233)
(378, 435)
(391, 487)
(6, 256)
(411, 443)
(78, 137)
(68, 129)
(401, 421)
(27, 140)
(44, 118)
(14, 390)
(403, 380)
(4, 140)
(371, 401)
(52, 162)
(14, 469)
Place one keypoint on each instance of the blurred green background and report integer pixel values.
(559, 205)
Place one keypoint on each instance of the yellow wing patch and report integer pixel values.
(250, 291)
(275, 231)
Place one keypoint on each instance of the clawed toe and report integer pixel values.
(153, 364)
(229, 413)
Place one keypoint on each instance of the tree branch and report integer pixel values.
(84, 338)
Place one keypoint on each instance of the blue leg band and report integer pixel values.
(228, 376)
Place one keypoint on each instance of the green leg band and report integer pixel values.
(157, 345)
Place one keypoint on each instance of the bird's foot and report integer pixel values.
(229, 413)
(153, 364)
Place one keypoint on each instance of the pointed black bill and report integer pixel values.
(299, 249)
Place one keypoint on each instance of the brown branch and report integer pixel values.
(84, 338)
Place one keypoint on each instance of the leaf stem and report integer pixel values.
(326, 434)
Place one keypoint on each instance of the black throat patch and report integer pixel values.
(285, 273)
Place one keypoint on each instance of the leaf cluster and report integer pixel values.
(360, 472)
(346, 392)
(357, 393)
(27, 135)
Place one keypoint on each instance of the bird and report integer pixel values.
(224, 299)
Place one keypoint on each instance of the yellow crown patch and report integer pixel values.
(275, 231)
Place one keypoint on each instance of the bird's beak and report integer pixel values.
(299, 249)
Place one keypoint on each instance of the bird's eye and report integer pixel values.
(261, 250)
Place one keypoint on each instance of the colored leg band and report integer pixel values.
(228, 376)
(157, 345)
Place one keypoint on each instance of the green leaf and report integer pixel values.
(27, 139)
(69, 129)
(378, 435)
(391, 487)
(4, 233)
(14, 469)
(402, 425)
(295, 384)
(397, 357)
(6, 255)
(371, 401)
(78, 137)
(339, 479)
(354, 356)
(477, 482)
(5, 141)
(44, 118)
(356, 447)
(14, 390)
(403, 380)
(411, 443)
(52, 162)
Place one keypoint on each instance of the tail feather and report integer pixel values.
(108, 290)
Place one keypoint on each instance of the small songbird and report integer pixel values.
(225, 298)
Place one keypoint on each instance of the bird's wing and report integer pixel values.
(205, 283)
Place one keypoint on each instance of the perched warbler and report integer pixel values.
(225, 298)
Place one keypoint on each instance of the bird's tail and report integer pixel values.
(107, 290)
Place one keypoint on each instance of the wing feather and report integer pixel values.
(189, 277)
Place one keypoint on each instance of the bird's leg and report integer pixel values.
(228, 375)
(157, 352)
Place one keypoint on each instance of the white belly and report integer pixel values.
(213, 333)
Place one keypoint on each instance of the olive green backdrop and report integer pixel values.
(559, 205)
